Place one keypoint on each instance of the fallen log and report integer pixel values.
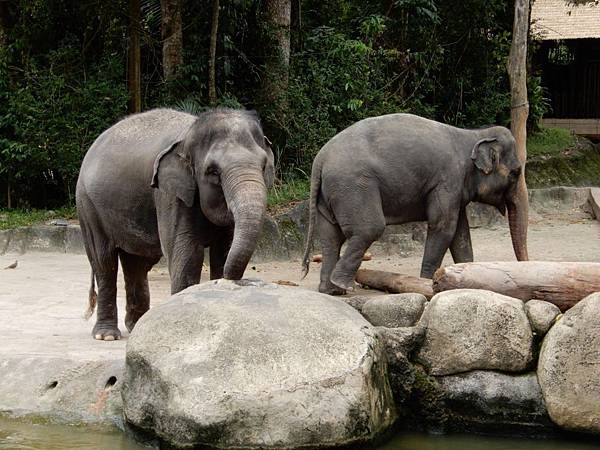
(561, 283)
(394, 282)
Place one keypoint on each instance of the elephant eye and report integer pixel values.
(213, 175)
(515, 172)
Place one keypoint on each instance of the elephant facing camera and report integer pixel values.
(167, 183)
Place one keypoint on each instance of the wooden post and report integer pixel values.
(134, 58)
(561, 283)
(519, 110)
(212, 60)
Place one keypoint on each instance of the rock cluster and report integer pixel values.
(256, 365)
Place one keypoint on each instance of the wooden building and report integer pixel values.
(568, 56)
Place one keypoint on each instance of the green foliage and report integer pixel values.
(549, 141)
(63, 78)
(15, 218)
(335, 81)
(290, 190)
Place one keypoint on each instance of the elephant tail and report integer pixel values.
(92, 298)
(315, 187)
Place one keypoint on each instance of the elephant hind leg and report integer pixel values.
(102, 255)
(331, 238)
(135, 272)
(362, 223)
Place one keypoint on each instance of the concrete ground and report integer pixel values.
(51, 366)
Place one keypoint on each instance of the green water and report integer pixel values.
(25, 434)
(29, 435)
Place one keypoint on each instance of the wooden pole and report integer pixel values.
(560, 283)
(519, 110)
(212, 60)
(134, 58)
(394, 282)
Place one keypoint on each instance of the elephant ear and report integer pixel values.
(484, 155)
(174, 174)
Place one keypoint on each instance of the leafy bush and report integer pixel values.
(48, 121)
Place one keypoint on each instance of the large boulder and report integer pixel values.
(569, 367)
(394, 310)
(247, 364)
(469, 329)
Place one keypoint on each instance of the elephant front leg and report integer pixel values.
(441, 229)
(461, 247)
(219, 249)
(185, 264)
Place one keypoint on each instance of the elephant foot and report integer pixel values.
(131, 319)
(106, 332)
(330, 289)
(346, 284)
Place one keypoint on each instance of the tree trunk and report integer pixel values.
(212, 79)
(561, 283)
(277, 63)
(4, 19)
(517, 72)
(133, 62)
(394, 282)
(172, 36)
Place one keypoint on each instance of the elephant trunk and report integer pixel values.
(518, 212)
(246, 196)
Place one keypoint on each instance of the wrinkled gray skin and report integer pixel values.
(169, 183)
(401, 168)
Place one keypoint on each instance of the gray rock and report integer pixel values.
(356, 301)
(394, 310)
(469, 329)
(401, 341)
(256, 365)
(491, 400)
(59, 223)
(569, 367)
(541, 315)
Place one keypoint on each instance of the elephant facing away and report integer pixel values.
(402, 168)
(169, 183)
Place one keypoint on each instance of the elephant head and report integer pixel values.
(224, 157)
(498, 182)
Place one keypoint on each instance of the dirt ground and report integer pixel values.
(43, 299)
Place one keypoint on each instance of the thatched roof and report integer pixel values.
(565, 19)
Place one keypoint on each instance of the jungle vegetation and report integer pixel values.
(71, 68)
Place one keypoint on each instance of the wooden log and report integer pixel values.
(561, 283)
(394, 282)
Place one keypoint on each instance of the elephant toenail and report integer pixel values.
(98, 337)
(109, 338)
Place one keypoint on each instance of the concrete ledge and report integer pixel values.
(595, 202)
(64, 390)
